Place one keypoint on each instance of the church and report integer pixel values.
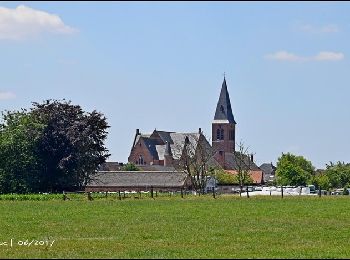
(161, 150)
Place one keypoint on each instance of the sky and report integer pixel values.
(160, 65)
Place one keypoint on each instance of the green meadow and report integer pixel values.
(172, 227)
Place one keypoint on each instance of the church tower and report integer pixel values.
(223, 126)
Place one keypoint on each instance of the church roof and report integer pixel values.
(175, 141)
(231, 162)
(223, 109)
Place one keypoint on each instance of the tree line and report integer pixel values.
(298, 171)
(51, 147)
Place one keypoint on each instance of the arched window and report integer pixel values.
(222, 134)
(218, 134)
(140, 160)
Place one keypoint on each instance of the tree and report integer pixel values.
(293, 170)
(19, 160)
(243, 165)
(52, 147)
(321, 180)
(196, 157)
(223, 177)
(338, 174)
(71, 146)
(130, 167)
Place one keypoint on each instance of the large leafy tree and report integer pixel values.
(53, 147)
(20, 164)
(338, 174)
(72, 144)
(293, 170)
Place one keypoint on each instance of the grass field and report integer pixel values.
(193, 227)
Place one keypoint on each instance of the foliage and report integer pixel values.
(321, 180)
(338, 174)
(130, 167)
(195, 159)
(224, 178)
(243, 164)
(53, 147)
(19, 160)
(293, 170)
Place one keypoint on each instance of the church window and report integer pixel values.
(222, 134)
(140, 160)
(218, 134)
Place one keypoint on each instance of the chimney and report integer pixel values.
(137, 131)
(252, 157)
(200, 131)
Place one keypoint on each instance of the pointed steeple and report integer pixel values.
(223, 108)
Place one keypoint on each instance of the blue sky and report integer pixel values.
(160, 65)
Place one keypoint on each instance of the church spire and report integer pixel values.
(223, 108)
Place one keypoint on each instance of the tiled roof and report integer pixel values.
(257, 176)
(231, 162)
(138, 179)
(110, 166)
(176, 141)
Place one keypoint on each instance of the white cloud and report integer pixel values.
(328, 55)
(329, 28)
(321, 56)
(6, 95)
(23, 22)
(283, 56)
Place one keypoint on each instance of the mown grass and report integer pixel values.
(171, 227)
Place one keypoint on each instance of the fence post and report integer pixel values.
(151, 192)
(282, 191)
(89, 196)
(120, 197)
(319, 191)
(106, 194)
(247, 192)
(156, 193)
(214, 192)
(182, 193)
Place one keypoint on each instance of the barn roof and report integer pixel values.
(139, 179)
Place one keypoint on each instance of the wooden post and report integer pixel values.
(151, 192)
(319, 191)
(182, 193)
(120, 197)
(247, 192)
(106, 194)
(214, 192)
(89, 196)
(156, 193)
(282, 191)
